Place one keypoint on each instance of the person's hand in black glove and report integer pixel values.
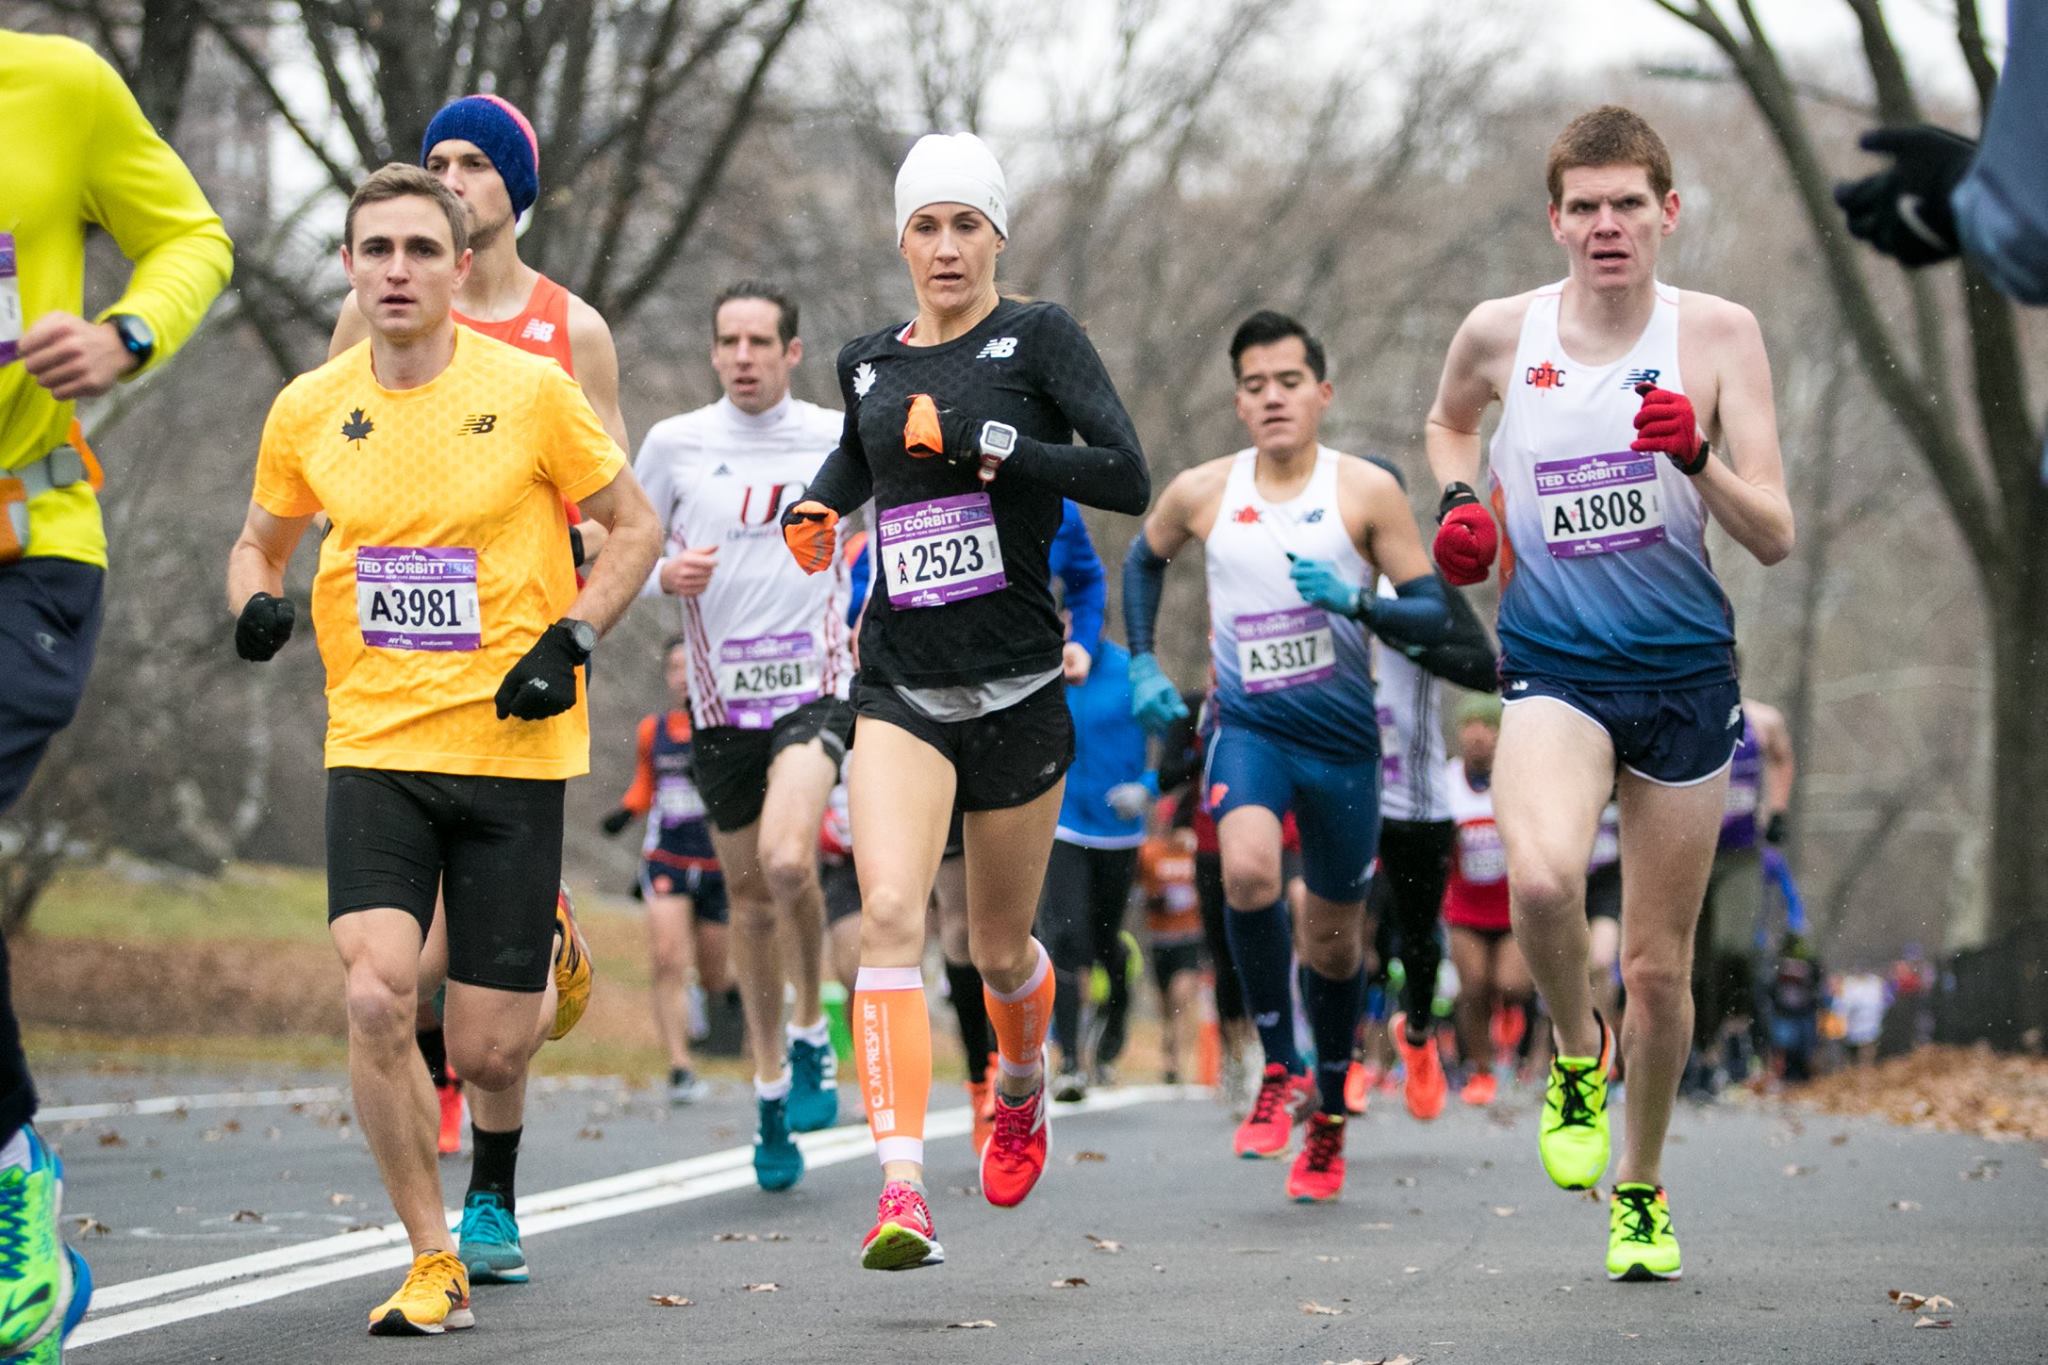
(543, 682)
(616, 821)
(264, 626)
(1774, 829)
(1904, 211)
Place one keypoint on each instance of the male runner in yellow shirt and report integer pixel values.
(76, 151)
(452, 630)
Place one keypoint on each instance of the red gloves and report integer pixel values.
(1665, 423)
(1466, 540)
(811, 530)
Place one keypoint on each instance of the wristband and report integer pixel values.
(576, 546)
(1455, 495)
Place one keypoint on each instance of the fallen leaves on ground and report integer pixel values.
(1108, 1244)
(1376, 1360)
(1905, 1206)
(110, 1138)
(1909, 1302)
(1933, 1322)
(1503, 1210)
(1961, 1090)
(970, 1326)
(337, 1199)
(246, 1216)
(89, 1226)
(1794, 1171)
(590, 1134)
(765, 1287)
(1079, 1157)
(750, 1237)
(1070, 1282)
(1320, 1310)
(671, 1301)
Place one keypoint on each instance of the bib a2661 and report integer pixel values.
(409, 597)
(765, 678)
(940, 551)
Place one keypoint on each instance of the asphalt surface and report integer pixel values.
(1449, 1244)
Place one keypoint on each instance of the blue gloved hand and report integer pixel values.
(1320, 585)
(1155, 701)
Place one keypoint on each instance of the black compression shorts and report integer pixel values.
(732, 764)
(1006, 758)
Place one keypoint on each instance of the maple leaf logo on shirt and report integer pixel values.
(357, 426)
(863, 378)
(1246, 515)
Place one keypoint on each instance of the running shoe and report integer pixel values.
(572, 968)
(1640, 1245)
(1572, 1135)
(488, 1241)
(35, 1271)
(778, 1161)
(903, 1237)
(449, 1141)
(1480, 1089)
(1424, 1086)
(1071, 1087)
(433, 1299)
(686, 1086)
(1318, 1174)
(1016, 1151)
(1358, 1088)
(813, 1085)
(981, 1098)
(1266, 1131)
(50, 1350)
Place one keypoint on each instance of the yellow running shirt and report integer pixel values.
(449, 554)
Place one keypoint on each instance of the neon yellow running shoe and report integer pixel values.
(1640, 1244)
(1573, 1134)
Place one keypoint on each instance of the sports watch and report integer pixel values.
(998, 443)
(581, 634)
(135, 335)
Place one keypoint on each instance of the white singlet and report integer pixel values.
(1410, 702)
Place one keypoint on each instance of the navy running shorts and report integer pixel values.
(1673, 736)
(1336, 803)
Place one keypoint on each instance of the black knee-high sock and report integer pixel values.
(963, 983)
(434, 1047)
(1262, 942)
(1066, 1018)
(1333, 1008)
(494, 1167)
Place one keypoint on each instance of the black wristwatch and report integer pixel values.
(135, 335)
(581, 634)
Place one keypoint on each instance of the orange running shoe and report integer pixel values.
(1015, 1155)
(1318, 1174)
(981, 1098)
(1425, 1087)
(1267, 1129)
(450, 1140)
(1480, 1090)
(903, 1237)
(1509, 1024)
(1358, 1082)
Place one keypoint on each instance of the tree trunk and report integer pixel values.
(2019, 719)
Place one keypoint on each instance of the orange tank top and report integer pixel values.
(542, 327)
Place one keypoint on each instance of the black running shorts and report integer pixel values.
(1006, 758)
(492, 846)
(841, 887)
(732, 764)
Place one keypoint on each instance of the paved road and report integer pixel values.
(1449, 1245)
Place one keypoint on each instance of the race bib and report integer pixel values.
(942, 551)
(765, 678)
(10, 301)
(1277, 649)
(677, 802)
(1481, 857)
(1599, 504)
(425, 599)
(1390, 749)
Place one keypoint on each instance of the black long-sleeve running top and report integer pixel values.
(938, 616)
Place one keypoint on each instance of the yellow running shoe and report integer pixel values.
(1640, 1244)
(433, 1299)
(572, 969)
(1572, 1135)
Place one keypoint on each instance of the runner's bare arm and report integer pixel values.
(1746, 493)
(256, 563)
(1172, 523)
(1390, 543)
(1780, 765)
(635, 538)
(1483, 345)
(597, 368)
(350, 326)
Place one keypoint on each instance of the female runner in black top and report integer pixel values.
(959, 426)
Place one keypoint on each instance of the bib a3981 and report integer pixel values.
(418, 598)
(1599, 504)
(766, 677)
(940, 551)
(1289, 648)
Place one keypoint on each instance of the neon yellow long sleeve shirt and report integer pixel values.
(77, 151)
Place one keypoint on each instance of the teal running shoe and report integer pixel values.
(778, 1161)
(813, 1086)
(35, 1265)
(489, 1241)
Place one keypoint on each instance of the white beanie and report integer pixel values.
(955, 168)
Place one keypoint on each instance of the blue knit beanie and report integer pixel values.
(502, 133)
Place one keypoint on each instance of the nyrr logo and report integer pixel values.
(1002, 348)
(773, 499)
(1544, 376)
(1636, 377)
(536, 330)
(479, 424)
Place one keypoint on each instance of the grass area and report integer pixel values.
(248, 903)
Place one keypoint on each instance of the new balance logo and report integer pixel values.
(1313, 516)
(1544, 376)
(1002, 348)
(479, 424)
(721, 472)
(1636, 377)
(536, 330)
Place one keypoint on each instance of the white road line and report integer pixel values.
(266, 1275)
(250, 1099)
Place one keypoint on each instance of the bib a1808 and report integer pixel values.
(418, 598)
(1599, 504)
(940, 551)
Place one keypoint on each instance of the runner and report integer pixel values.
(1603, 922)
(485, 152)
(769, 678)
(1617, 641)
(1294, 534)
(680, 883)
(432, 587)
(1173, 926)
(1492, 976)
(958, 425)
(1726, 979)
(80, 153)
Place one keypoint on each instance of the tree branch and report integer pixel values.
(252, 65)
(1970, 37)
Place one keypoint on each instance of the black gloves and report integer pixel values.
(264, 626)
(1774, 828)
(616, 821)
(543, 682)
(1904, 212)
